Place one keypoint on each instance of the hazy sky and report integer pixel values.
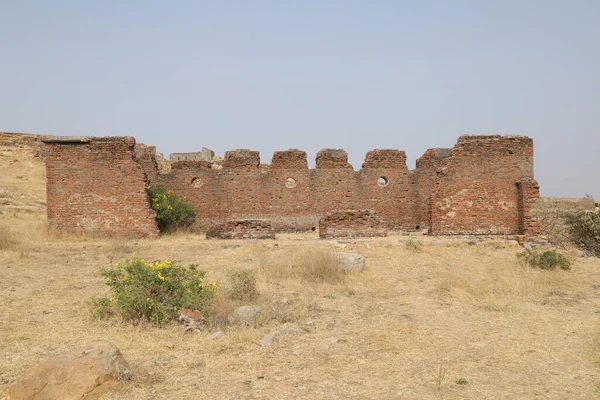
(311, 74)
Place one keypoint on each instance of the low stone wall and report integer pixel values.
(242, 229)
(351, 224)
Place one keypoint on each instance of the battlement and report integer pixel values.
(289, 159)
(483, 185)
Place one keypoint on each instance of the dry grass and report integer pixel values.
(8, 239)
(312, 265)
(242, 285)
(408, 327)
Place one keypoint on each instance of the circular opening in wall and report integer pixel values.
(197, 183)
(382, 181)
(314, 228)
(290, 183)
(418, 228)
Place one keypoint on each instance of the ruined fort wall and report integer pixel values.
(484, 185)
(292, 196)
(429, 166)
(528, 192)
(145, 155)
(478, 190)
(95, 186)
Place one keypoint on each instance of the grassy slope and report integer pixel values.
(413, 323)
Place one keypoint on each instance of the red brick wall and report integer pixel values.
(477, 192)
(95, 186)
(241, 229)
(484, 185)
(146, 157)
(528, 192)
(351, 224)
(429, 166)
(292, 196)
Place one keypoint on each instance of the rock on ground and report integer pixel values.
(267, 340)
(244, 315)
(94, 368)
(216, 335)
(349, 261)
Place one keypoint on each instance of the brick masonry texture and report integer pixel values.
(486, 187)
(242, 229)
(483, 185)
(97, 187)
(351, 224)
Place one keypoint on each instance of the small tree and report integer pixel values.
(584, 228)
(172, 212)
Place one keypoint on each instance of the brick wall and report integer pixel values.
(351, 224)
(292, 196)
(241, 229)
(95, 186)
(429, 166)
(477, 192)
(484, 185)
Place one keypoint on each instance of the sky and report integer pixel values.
(312, 74)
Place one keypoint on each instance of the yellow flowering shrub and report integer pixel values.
(172, 211)
(153, 291)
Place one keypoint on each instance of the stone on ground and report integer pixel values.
(349, 261)
(91, 369)
(244, 315)
(216, 335)
(267, 340)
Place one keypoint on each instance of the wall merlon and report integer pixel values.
(289, 159)
(332, 158)
(386, 158)
(241, 159)
(437, 156)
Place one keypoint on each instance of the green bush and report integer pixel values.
(243, 284)
(172, 212)
(101, 308)
(152, 291)
(584, 230)
(549, 259)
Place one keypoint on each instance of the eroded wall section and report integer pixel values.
(486, 187)
(96, 186)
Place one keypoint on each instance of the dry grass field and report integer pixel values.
(429, 318)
